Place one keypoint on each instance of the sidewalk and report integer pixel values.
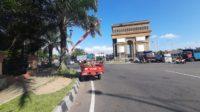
(42, 82)
(57, 84)
(16, 89)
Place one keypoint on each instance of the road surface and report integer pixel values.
(142, 88)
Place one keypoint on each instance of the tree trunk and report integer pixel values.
(50, 53)
(83, 37)
(80, 40)
(63, 45)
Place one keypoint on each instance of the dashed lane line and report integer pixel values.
(183, 74)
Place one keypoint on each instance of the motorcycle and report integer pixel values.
(180, 61)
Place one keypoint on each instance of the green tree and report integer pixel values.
(22, 26)
(42, 54)
(52, 41)
(160, 52)
(71, 13)
(92, 27)
(77, 52)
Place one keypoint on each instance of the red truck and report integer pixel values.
(91, 69)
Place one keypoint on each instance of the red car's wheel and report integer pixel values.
(81, 78)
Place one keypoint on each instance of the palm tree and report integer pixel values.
(52, 42)
(73, 13)
(92, 27)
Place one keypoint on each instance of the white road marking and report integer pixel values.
(92, 103)
(183, 74)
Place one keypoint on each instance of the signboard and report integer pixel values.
(121, 40)
(140, 38)
(90, 56)
(82, 57)
(121, 49)
(140, 48)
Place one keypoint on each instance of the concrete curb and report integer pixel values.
(67, 101)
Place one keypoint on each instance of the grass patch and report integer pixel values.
(67, 71)
(37, 103)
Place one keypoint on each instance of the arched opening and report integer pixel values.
(130, 48)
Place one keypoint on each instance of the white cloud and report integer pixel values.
(99, 49)
(169, 36)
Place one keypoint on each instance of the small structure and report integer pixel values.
(100, 54)
(168, 58)
(130, 38)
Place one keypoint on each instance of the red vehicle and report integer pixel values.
(91, 69)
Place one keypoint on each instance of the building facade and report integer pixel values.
(130, 38)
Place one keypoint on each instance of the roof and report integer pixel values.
(131, 23)
(176, 51)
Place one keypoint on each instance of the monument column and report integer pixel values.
(134, 48)
(114, 48)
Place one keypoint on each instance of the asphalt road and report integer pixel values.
(143, 88)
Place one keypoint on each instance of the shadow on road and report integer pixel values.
(25, 85)
(71, 76)
(88, 78)
(163, 104)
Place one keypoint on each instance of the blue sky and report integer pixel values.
(174, 23)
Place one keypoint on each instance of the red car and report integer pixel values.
(91, 69)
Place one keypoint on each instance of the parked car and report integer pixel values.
(149, 56)
(109, 57)
(139, 59)
(180, 60)
(146, 56)
(159, 58)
